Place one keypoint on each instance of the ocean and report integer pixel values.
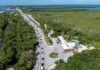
(74, 7)
(4, 9)
(69, 7)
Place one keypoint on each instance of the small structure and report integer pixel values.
(76, 41)
(67, 46)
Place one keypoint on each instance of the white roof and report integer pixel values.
(62, 39)
(63, 43)
(71, 44)
(66, 45)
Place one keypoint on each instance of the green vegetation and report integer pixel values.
(88, 60)
(2, 23)
(97, 45)
(53, 55)
(18, 43)
(83, 25)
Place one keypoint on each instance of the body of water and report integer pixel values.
(3, 9)
(72, 7)
(9, 11)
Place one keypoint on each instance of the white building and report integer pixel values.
(66, 45)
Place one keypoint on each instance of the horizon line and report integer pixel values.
(46, 4)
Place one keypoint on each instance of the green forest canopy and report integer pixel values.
(18, 43)
(87, 60)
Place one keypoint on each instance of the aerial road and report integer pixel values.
(40, 51)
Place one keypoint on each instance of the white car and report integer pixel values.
(42, 68)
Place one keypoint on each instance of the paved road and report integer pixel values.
(43, 61)
(40, 52)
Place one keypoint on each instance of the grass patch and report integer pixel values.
(97, 45)
(53, 55)
(85, 25)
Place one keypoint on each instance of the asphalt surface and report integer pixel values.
(40, 52)
(43, 61)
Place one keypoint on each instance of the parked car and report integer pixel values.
(42, 68)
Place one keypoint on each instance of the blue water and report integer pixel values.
(9, 11)
(72, 7)
(3, 9)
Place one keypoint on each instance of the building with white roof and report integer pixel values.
(66, 45)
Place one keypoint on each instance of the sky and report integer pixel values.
(47, 2)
